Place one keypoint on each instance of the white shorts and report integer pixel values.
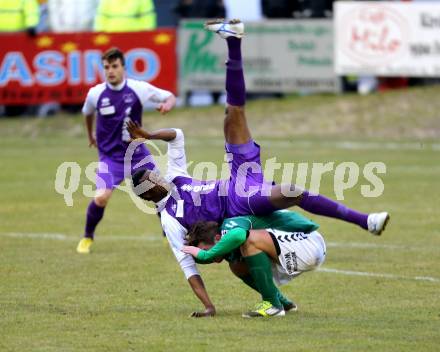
(297, 252)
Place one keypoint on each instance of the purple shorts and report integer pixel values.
(111, 172)
(248, 192)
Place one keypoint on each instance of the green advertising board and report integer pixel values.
(279, 56)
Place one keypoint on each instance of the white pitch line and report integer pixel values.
(43, 236)
(153, 238)
(380, 275)
(366, 245)
(63, 237)
(132, 238)
(349, 145)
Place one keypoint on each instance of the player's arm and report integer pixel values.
(164, 99)
(242, 222)
(196, 283)
(199, 261)
(136, 131)
(229, 241)
(89, 126)
(176, 146)
(167, 105)
(175, 235)
(199, 290)
(88, 111)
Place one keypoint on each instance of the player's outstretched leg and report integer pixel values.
(238, 136)
(95, 212)
(284, 197)
(235, 126)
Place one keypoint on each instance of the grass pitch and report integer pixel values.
(375, 294)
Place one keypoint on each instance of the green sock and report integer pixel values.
(248, 280)
(260, 268)
(283, 299)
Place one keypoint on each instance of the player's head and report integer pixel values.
(114, 66)
(150, 185)
(204, 234)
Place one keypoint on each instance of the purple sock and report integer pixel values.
(320, 205)
(235, 86)
(94, 216)
(234, 48)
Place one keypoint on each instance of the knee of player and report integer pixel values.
(289, 190)
(102, 199)
(248, 248)
(234, 110)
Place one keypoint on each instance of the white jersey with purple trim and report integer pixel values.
(190, 201)
(114, 106)
(174, 231)
(145, 92)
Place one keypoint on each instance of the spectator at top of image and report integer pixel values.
(200, 9)
(297, 8)
(71, 15)
(279, 8)
(125, 16)
(19, 16)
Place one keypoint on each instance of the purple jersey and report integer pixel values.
(194, 200)
(248, 192)
(189, 201)
(114, 106)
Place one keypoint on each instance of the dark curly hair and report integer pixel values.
(113, 54)
(202, 231)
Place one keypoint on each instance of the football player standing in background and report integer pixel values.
(115, 102)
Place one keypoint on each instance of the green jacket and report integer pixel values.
(125, 16)
(18, 15)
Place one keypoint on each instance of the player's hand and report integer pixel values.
(191, 250)
(92, 142)
(164, 108)
(209, 312)
(167, 105)
(136, 130)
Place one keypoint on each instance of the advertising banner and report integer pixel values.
(62, 67)
(279, 56)
(387, 38)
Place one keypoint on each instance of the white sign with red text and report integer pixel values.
(387, 38)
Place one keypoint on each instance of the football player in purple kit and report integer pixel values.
(116, 101)
(183, 201)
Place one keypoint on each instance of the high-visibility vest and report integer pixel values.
(17, 15)
(125, 16)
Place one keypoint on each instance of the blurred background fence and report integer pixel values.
(50, 50)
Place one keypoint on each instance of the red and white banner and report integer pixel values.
(387, 38)
(62, 67)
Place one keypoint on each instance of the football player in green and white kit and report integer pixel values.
(260, 250)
